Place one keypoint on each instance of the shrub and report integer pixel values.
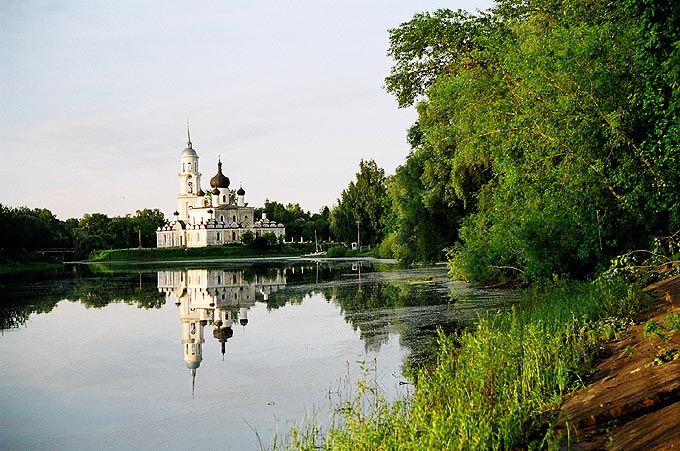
(336, 251)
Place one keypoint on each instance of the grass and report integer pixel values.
(178, 253)
(495, 386)
(215, 252)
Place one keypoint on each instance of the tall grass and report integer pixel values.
(495, 386)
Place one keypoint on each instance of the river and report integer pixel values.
(211, 355)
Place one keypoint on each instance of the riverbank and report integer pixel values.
(185, 253)
(501, 384)
(210, 252)
(632, 400)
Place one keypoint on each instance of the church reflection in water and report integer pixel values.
(220, 298)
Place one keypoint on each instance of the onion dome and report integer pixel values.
(200, 193)
(241, 191)
(216, 191)
(176, 213)
(219, 181)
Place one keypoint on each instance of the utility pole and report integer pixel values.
(358, 236)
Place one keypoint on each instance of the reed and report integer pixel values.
(496, 385)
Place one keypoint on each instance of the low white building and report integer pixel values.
(215, 218)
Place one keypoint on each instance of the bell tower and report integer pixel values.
(189, 179)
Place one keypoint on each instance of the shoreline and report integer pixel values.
(633, 394)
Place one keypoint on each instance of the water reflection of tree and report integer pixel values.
(130, 288)
(371, 308)
(373, 305)
(40, 292)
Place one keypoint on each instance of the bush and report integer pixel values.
(336, 252)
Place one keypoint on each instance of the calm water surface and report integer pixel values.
(210, 356)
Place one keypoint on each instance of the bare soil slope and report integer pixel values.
(632, 401)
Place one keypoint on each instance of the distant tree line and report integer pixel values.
(28, 230)
(546, 143)
(300, 225)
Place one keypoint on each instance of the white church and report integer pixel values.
(215, 218)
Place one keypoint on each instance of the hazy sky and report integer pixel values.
(95, 95)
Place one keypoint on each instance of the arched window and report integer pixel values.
(234, 218)
(224, 199)
(190, 187)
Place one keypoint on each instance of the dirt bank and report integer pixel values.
(632, 400)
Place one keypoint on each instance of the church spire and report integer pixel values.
(188, 136)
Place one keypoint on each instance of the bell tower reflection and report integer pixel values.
(214, 297)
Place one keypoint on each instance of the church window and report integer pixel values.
(224, 199)
(190, 186)
(189, 166)
(219, 280)
(234, 218)
(218, 236)
(233, 236)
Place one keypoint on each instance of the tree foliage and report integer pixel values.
(299, 224)
(97, 231)
(28, 230)
(548, 146)
(361, 207)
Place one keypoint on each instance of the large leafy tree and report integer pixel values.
(97, 231)
(361, 207)
(656, 108)
(420, 223)
(299, 224)
(26, 230)
(530, 117)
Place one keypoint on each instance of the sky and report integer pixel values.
(95, 96)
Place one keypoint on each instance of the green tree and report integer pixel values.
(26, 230)
(146, 223)
(361, 207)
(428, 46)
(656, 110)
(530, 119)
(421, 224)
